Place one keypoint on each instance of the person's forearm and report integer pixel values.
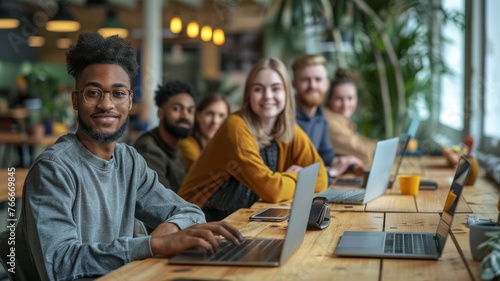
(165, 228)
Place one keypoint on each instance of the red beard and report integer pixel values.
(311, 100)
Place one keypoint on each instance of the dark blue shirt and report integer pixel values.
(317, 130)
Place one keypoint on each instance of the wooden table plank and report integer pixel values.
(392, 203)
(483, 196)
(448, 267)
(347, 207)
(436, 166)
(432, 201)
(19, 175)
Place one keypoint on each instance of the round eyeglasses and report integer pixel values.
(94, 96)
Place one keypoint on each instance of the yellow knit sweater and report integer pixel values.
(190, 151)
(234, 152)
(346, 140)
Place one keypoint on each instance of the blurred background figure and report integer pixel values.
(339, 108)
(160, 146)
(21, 93)
(310, 80)
(211, 112)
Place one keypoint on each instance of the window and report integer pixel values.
(452, 86)
(492, 71)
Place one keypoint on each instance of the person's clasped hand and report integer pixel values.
(207, 236)
(340, 164)
(294, 168)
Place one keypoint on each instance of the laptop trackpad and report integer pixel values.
(361, 242)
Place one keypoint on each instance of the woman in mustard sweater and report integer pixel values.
(257, 152)
(210, 114)
(340, 106)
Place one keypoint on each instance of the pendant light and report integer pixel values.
(63, 42)
(206, 33)
(218, 37)
(36, 41)
(113, 26)
(62, 21)
(192, 29)
(7, 20)
(176, 25)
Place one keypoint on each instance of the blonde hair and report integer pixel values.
(307, 60)
(284, 128)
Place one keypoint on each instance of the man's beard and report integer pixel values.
(176, 131)
(309, 100)
(102, 138)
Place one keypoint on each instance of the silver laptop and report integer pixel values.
(414, 245)
(264, 252)
(378, 179)
(404, 141)
(413, 127)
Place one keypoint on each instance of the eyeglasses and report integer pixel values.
(94, 96)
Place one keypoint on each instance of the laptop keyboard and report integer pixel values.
(406, 243)
(348, 196)
(349, 181)
(249, 250)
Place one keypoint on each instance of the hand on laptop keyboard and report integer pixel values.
(341, 163)
(206, 236)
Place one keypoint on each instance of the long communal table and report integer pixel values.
(315, 260)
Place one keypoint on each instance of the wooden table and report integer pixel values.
(22, 137)
(17, 177)
(15, 113)
(314, 260)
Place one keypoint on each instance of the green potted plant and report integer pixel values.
(392, 48)
(43, 86)
(491, 262)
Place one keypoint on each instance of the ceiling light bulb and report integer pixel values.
(206, 33)
(36, 41)
(176, 25)
(192, 29)
(218, 37)
(63, 43)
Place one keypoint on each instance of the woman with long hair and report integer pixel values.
(257, 152)
(340, 106)
(211, 112)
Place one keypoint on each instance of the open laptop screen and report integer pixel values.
(403, 145)
(452, 200)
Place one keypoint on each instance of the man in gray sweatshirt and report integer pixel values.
(82, 194)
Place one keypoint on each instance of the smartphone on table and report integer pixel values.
(428, 185)
(271, 214)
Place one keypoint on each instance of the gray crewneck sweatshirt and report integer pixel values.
(78, 212)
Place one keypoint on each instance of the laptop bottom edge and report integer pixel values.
(179, 261)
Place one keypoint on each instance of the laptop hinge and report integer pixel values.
(436, 240)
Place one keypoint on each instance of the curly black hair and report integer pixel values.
(170, 89)
(92, 48)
